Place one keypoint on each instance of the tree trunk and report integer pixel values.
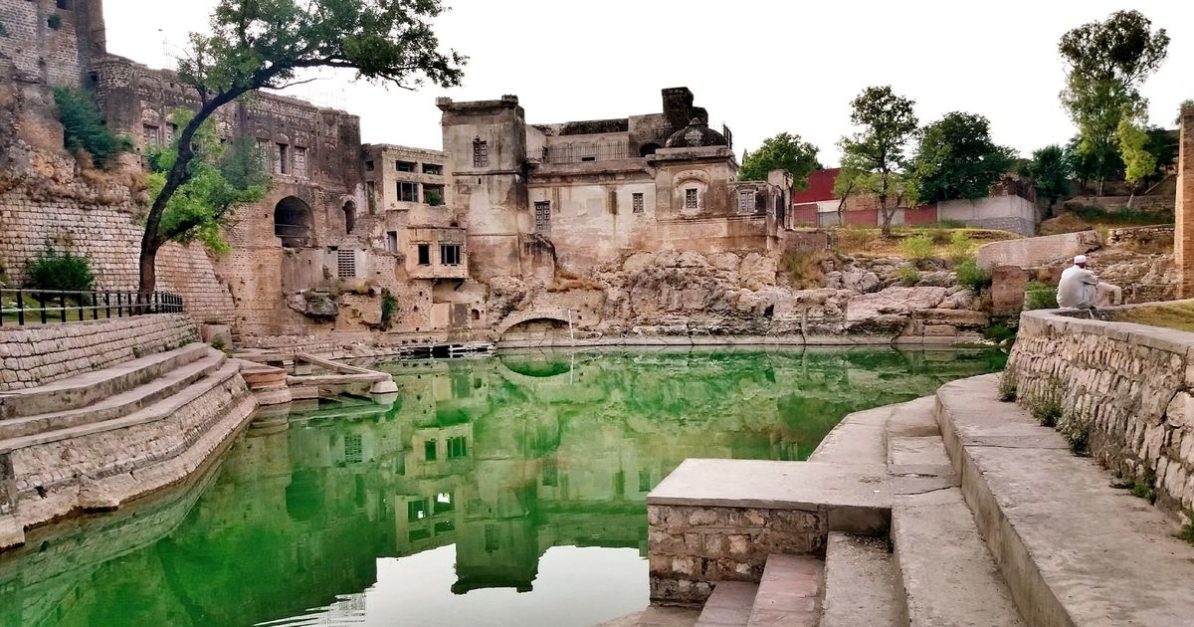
(885, 215)
(148, 268)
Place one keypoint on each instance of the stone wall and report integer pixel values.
(33, 356)
(110, 237)
(41, 51)
(691, 546)
(1184, 212)
(1036, 251)
(1129, 388)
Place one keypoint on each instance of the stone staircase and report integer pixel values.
(98, 439)
(993, 522)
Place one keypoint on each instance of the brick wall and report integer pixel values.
(1129, 387)
(39, 51)
(109, 235)
(31, 356)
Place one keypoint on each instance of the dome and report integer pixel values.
(696, 135)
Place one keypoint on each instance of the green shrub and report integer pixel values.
(951, 224)
(1039, 295)
(389, 307)
(960, 247)
(54, 21)
(1045, 405)
(1146, 487)
(972, 276)
(50, 270)
(908, 274)
(1078, 435)
(83, 127)
(998, 333)
(1007, 387)
(917, 247)
(1187, 532)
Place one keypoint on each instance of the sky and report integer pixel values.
(759, 66)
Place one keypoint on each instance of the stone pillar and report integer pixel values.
(1183, 240)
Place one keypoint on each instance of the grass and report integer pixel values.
(1087, 218)
(1039, 295)
(1045, 405)
(1187, 532)
(1007, 387)
(909, 275)
(1178, 316)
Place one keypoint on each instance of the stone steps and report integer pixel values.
(860, 586)
(729, 605)
(83, 390)
(158, 410)
(1074, 550)
(789, 592)
(117, 405)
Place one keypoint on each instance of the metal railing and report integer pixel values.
(61, 306)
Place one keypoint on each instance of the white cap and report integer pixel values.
(1079, 260)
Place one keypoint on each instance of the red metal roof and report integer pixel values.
(820, 187)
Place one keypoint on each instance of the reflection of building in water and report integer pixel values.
(503, 458)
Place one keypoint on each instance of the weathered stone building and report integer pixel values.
(570, 196)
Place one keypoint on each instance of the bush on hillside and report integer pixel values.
(917, 247)
(84, 129)
(1039, 295)
(972, 276)
(50, 270)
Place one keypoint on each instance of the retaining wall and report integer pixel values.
(1034, 252)
(1128, 388)
(32, 356)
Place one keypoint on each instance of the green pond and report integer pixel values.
(507, 490)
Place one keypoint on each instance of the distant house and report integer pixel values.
(1011, 206)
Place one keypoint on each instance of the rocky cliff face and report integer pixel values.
(687, 293)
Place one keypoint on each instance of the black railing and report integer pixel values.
(23, 306)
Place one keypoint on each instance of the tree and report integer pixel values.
(256, 44)
(1138, 163)
(220, 178)
(782, 152)
(956, 159)
(1106, 64)
(873, 159)
(83, 127)
(1050, 171)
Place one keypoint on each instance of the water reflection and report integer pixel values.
(340, 513)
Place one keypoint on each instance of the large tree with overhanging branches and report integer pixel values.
(267, 44)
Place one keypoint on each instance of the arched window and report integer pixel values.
(350, 216)
(647, 149)
(292, 222)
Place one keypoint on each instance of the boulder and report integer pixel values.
(899, 301)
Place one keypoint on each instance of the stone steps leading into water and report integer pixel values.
(118, 405)
(1073, 549)
(729, 605)
(85, 389)
(860, 585)
(789, 593)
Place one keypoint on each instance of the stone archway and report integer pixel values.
(292, 222)
(350, 217)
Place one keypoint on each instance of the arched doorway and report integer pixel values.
(350, 217)
(292, 222)
(647, 149)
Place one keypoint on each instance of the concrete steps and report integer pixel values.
(860, 585)
(117, 405)
(789, 592)
(1073, 550)
(729, 605)
(83, 390)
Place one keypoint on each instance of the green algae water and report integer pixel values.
(507, 490)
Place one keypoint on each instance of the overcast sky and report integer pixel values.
(759, 66)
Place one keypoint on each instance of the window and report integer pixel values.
(449, 254)
(263, 153)
(443, 500)
(346, 264)
(408, 192)
(173, 128)
(300, 162)
(392, 241)
(371, 194)
(612, 202)
(543, 217)
(429, 451)
(424, 254)
(405, 166)
(433, 169)
(691, 198)
(433, 195)
(152, 135)
(64, 5)
(480, 153)
(638, 205)
(416, 510)
(282, 159)
(369, 165)
(350, 217)
(747, 203)
(352, 449)
(457, 448)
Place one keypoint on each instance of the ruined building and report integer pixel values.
(347, 227)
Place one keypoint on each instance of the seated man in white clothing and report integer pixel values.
(1078, 287)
